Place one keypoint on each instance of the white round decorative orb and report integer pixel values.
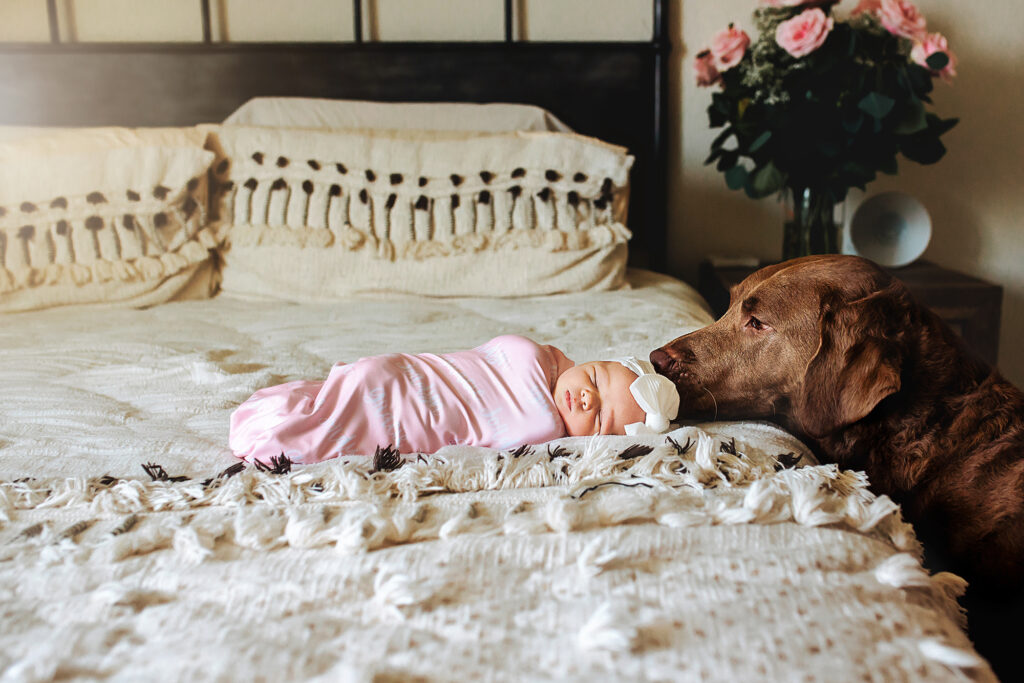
(892, 229)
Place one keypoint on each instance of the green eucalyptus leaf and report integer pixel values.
(876, 105)
(853, 119)
(722, 137)
(728, 159)
(857, 170)
(719, 110)
(923, 147)
(912, 120)
(920, 78)
(736, 177)
(715, 153)
(903, 79)
(766, 180)
(940, 126)
(829, 148)
(937, 61)
(760, 141)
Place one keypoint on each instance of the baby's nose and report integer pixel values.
(589, 399)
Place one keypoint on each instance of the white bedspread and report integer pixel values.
(720, 553)
(91, 391)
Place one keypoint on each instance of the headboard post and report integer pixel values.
(204, 10)
(357, 20)
(659, 135)
(509, 20)
(51, 18)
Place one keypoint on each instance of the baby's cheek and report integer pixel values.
(569, 427)
(575, 427)
(634, 414)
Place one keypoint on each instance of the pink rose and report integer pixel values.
(704, 66)
(932, 43)
(870, 6)
(728, 47)
(804, 33)
(901, 18)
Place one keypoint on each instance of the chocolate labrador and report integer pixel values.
(837, 351)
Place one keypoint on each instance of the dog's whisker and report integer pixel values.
(715, 401)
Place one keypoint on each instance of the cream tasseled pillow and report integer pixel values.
(317, 215)
(104, 216)
(312, 112)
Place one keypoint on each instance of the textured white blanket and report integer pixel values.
(720, 552)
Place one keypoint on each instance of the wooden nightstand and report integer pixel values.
(970, 306)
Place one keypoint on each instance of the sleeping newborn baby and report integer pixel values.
(502, 394)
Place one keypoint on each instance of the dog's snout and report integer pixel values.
(673, 353)
(661, 361)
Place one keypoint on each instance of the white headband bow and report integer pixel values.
(654, 393)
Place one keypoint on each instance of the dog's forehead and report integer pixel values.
(784, 288)
(810, 279)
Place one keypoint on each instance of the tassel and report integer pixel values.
(902, 571)
(948, 655)
(191, 546)
(592, 561)
(608, 630)
(562, 515)
(305, 528)
(391, 592)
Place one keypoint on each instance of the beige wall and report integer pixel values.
(975, 195)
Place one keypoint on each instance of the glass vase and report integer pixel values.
(813, 221)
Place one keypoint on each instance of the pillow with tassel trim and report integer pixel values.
(104, 216)
(315, 215)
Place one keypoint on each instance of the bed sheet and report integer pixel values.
(133, 546)
(92, 391)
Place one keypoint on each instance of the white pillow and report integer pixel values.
(299, 112)
(104, 216)
(11, 133)
(318, 215)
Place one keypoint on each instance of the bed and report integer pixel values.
(133, 546)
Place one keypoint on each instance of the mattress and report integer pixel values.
(134, 546)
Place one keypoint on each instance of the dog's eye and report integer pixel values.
(755, 323)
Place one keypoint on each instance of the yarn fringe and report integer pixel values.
(351, 238)
(391, 506)
(143, 268)
(353, 507)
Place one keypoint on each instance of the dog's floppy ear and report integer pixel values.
(855, 367)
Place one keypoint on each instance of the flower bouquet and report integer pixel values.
(819, 104)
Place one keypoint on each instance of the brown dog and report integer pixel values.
(838, 352)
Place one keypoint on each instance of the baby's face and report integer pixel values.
(594, 398)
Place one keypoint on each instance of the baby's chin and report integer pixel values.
(565, 423)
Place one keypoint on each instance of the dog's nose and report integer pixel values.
(661, 360)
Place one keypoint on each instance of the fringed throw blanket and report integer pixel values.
(719, 552)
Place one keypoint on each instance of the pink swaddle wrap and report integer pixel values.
(496, 395)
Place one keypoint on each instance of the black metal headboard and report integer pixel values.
(616, 91)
